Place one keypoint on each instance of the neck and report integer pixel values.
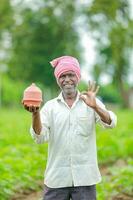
(70, 96)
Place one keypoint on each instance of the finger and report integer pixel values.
(93, 86)
(97, 89)
(83, 93)
(89, 85)
(26, 107)
(30, 107)
(35, 108)
(83, 97)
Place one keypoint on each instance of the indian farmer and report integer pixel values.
(67, 123)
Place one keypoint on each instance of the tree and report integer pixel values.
(6, 16)
(40, 36)
(110, 24)
(6, 21)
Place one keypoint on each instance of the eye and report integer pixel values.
(62, 76)
(71, 75)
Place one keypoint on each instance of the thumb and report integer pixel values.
(83, 97)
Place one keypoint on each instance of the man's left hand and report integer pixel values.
(89, 97)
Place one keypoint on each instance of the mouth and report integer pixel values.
(68, 86)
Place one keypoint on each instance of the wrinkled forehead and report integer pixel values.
(68, 72)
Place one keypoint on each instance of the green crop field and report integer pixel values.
(22, 162)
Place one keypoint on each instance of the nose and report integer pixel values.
(67, 78)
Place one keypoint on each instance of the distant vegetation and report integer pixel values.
(12, 92)
(34, 33)
(22, 161)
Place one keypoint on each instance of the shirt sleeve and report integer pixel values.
(112, 116)
(44, 134)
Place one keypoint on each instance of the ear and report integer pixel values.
(78, 80)
(57, 82)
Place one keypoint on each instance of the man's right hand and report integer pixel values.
(33, 109)
(36, 122)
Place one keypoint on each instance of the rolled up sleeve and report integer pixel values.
(42, 137)
(44, 134)
(113, 117)
(113, 120)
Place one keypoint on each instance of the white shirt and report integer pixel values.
(72, 153)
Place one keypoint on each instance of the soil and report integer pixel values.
(31, 196)
(122, 197)
(38, 196)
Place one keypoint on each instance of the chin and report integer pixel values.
(69, 91)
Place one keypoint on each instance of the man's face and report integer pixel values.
(68, 82)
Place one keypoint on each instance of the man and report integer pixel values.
(68, 124)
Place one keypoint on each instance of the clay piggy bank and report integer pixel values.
(32, 96)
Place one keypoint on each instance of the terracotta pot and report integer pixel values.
(32, 96)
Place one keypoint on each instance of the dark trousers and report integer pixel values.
(67, 193)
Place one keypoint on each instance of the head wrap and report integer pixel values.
(64, 64)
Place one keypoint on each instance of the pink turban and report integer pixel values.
(64, 64)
